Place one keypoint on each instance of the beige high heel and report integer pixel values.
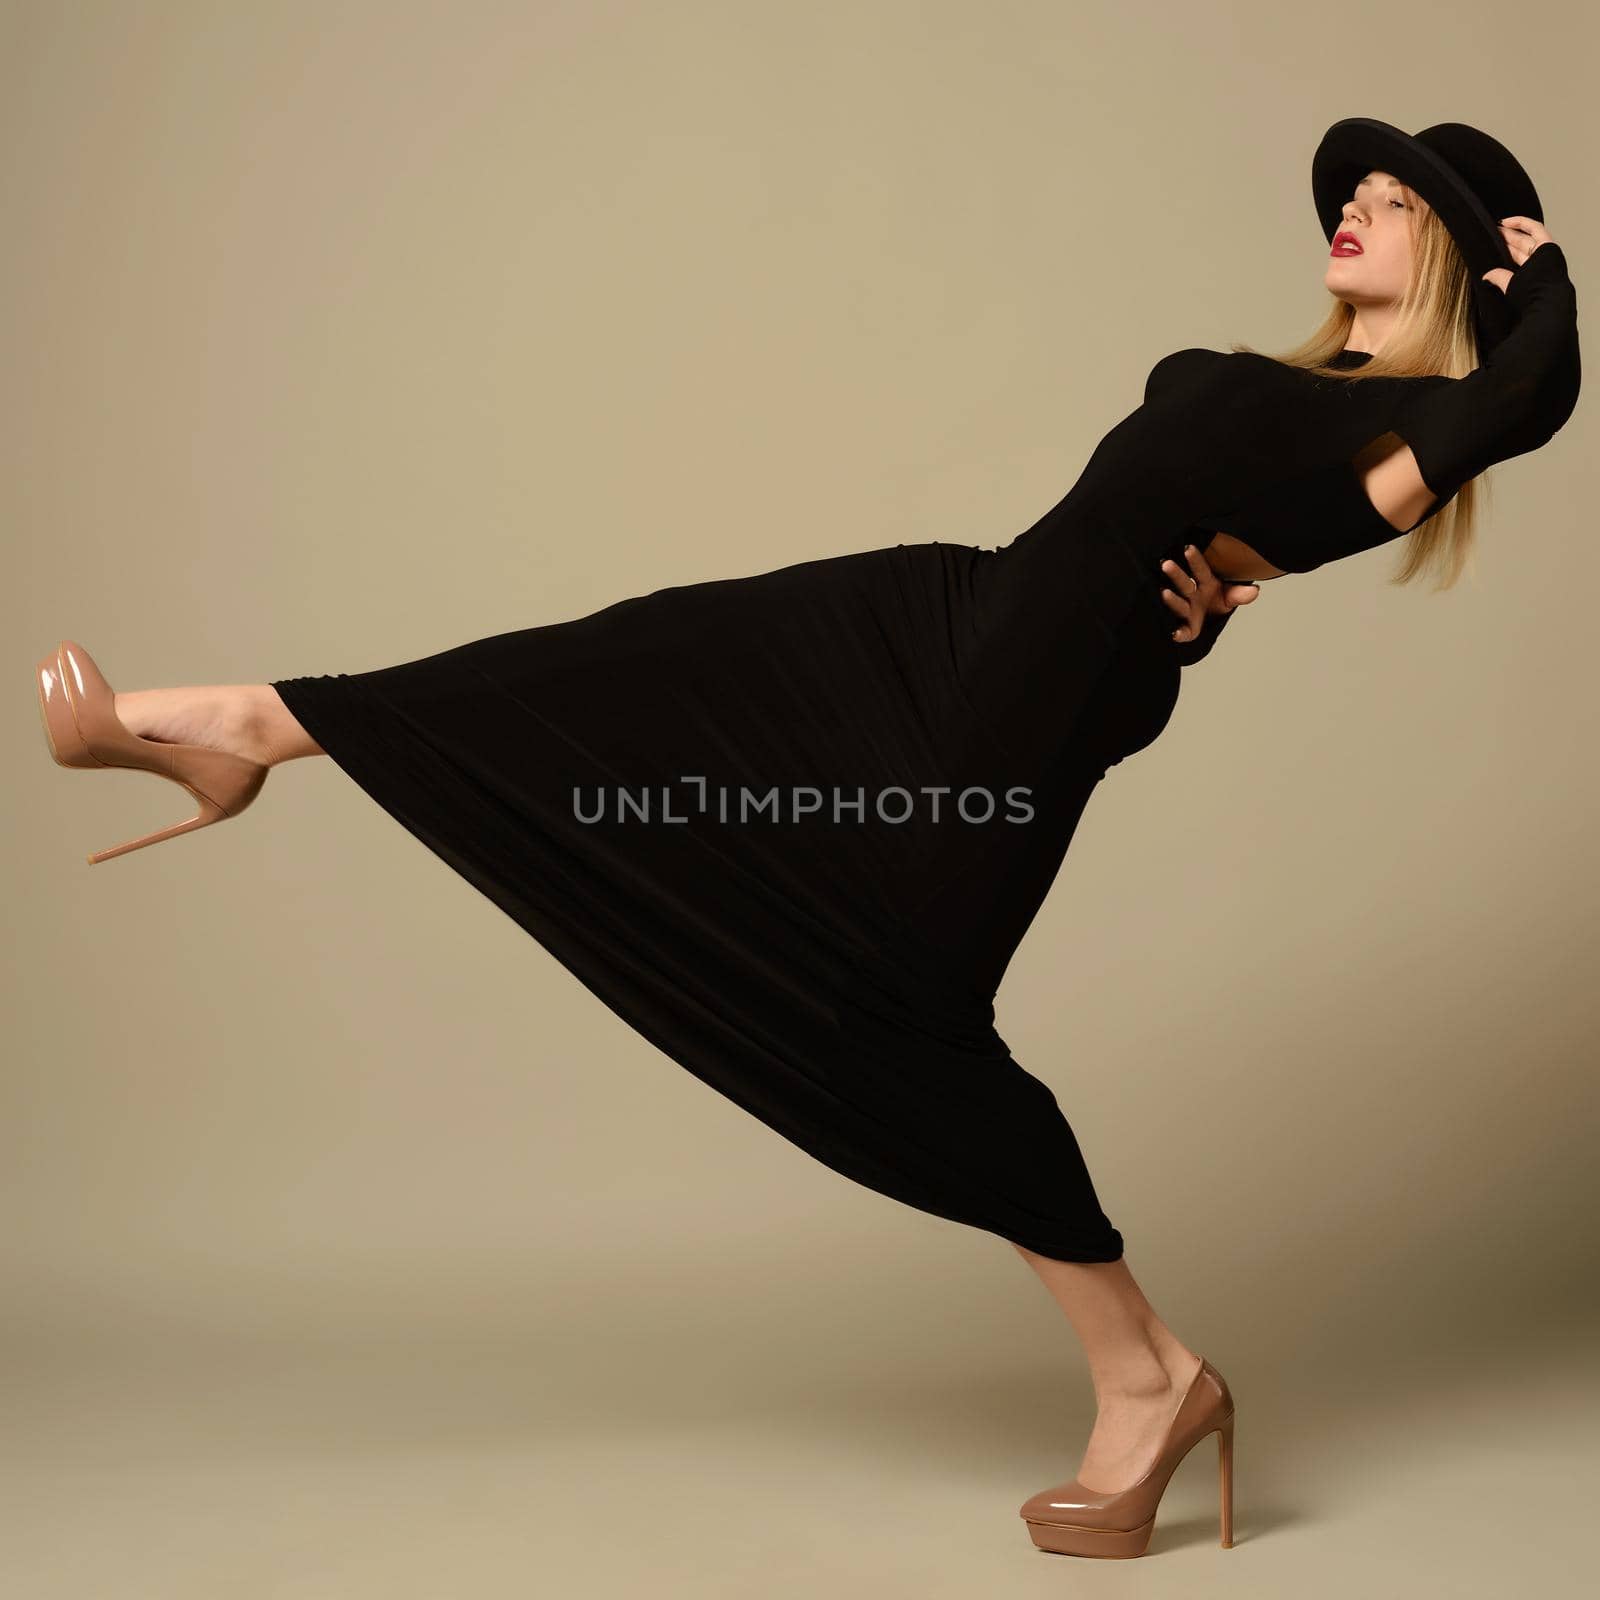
(1073, 1520)
(81, 723)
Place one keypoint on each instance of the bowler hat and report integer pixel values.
(1469, 179)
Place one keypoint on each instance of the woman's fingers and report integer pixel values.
(1190, 610)
(1190, 604)
(1200, 592)
(1528, 225)
(1218, 594)
(1523, 235)
(1170, 567)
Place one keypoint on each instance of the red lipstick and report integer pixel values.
(1345, 243)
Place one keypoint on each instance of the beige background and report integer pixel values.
(352, 1248)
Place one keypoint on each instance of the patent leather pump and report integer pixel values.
(81, 724)
(1073, 1520)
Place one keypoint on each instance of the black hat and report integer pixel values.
(1469, 179)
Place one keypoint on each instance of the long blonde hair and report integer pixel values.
(1433, 334)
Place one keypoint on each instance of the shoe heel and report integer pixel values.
(1225, 1479)
(209, 812)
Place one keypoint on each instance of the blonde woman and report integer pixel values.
(792, 826)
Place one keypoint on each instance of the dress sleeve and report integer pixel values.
(1519, 397)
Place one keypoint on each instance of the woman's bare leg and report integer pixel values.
(247, 718)
(1138, 1365)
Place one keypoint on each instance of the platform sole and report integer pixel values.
(1063, 1539)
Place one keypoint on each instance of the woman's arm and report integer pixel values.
(1448, 431)
(1515, 401)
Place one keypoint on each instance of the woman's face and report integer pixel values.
(1378, 218)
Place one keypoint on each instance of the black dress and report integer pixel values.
(792, 826)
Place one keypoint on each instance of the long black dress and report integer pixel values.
(792, 826)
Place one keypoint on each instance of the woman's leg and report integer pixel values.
(1138, 1365)
(247, 718)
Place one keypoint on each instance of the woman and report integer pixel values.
(792, 826)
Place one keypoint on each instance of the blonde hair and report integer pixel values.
(1433, 334)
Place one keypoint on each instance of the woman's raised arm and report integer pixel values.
(1520, 395)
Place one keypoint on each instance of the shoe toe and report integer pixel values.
(1068, 1502)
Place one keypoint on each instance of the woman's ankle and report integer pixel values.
(1134, 1373)
(273, 731)
(1153, 1367)
(1180, 1362)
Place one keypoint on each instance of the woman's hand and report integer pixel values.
(1523, 235)
(1201, 593)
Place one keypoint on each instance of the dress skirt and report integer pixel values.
(791, 827)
